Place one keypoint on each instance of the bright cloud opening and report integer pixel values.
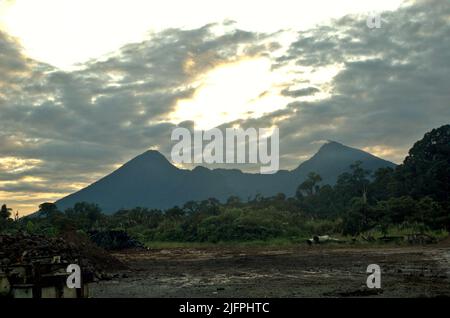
(232, 91)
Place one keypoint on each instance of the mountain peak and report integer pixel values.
(150, 158)
(151, 153)
(331, 144)
(334, 158)
(334, 148)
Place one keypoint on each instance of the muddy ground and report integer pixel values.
(316, 271)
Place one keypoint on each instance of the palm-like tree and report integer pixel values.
(5, 212)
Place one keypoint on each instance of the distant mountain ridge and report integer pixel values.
(150, 180)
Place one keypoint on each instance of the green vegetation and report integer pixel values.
(411, 199)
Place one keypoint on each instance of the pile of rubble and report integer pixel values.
(420, 238)
(27, 249)
(36, 266)
(114, 240)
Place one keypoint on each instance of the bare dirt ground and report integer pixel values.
(316, 271)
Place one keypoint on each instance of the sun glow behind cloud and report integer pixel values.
(232, 91)
(248, 88)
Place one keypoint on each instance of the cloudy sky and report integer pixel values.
(85, 85)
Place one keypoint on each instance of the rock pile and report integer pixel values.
(29, 249)
(114, 240)
(72, 248)
(35, 265)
